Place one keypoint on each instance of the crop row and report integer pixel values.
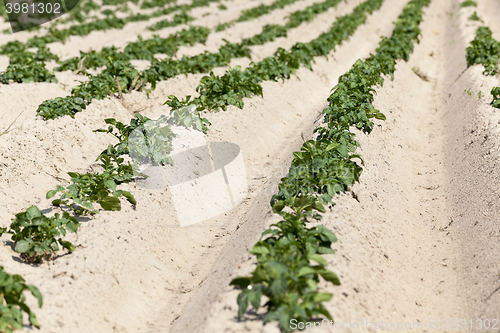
(485, 50)
(253, 13)
(321, 169)
(119, 70)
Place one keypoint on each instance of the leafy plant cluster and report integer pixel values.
(38, 237)
(323, 167)
(118, 2)
(156, 3)
(485, 50)
(13, 302)
(178, 19)
(468, 3)
(253, 13)
(151, 145)
(118, 75)
(26, 66)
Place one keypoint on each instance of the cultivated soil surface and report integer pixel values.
(418, 237)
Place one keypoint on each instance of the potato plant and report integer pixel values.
(13, 302)
(89, 188)
(37, 237)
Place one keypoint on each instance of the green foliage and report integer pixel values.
(141, 49)
(495, 92)
(13, 302)
(153, 145)
(178, 19)
(253, 13)
(112, 22)
(474, 17)
(262, 9)
(219, 92)
(12, 47)
(485, 50)
(3, 11)
(24, 67)
(118, 2)
(61, 106)
(156, 3)
(203, 63)
(89, 188)
(285, 275)
(222, 7)
(272, 31)
(468, 3)
(323, 167)
(38, 237)
(97, 87)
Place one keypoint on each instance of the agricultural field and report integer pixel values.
(251, 166)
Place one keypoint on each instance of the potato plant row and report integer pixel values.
(322, 168)
(120, 70)
(253, 13)
(485, 50)
(39, 237)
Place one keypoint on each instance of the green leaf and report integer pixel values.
(34, 290)
(67, 245)
(242, 303)
(51, 193)
(110, 203)
(254, 297)
(329, 276)
(33, 212)
(278, 206)
(319, 259)
(259, 248)
(22, 246)
(241, 282)
(110, 183)
(322, 297)
(129, 197)
(305, 270)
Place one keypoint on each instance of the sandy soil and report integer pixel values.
(420, 244)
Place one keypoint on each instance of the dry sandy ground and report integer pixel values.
(420, 245)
